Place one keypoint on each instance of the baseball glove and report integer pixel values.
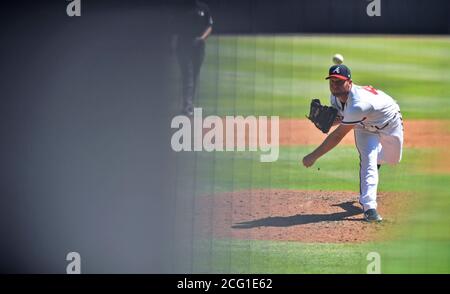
(322, 116)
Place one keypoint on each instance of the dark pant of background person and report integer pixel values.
(190, 58)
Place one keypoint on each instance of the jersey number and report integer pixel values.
(371, 89)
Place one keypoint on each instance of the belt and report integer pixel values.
(395, 116)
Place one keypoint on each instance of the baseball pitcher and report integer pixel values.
(377, 123)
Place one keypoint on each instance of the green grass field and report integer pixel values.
(266, 75)
(422, 245)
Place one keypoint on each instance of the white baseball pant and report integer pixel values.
(376, 146)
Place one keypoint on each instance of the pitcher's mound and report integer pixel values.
(306, 216)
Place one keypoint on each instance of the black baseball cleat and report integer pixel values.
(371, 215)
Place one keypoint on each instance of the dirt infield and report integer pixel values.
(418, 133)
(285, 215)
(297, 132)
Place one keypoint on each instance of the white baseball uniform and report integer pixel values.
(378, 134)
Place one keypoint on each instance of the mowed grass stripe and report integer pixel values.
(288, 71)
